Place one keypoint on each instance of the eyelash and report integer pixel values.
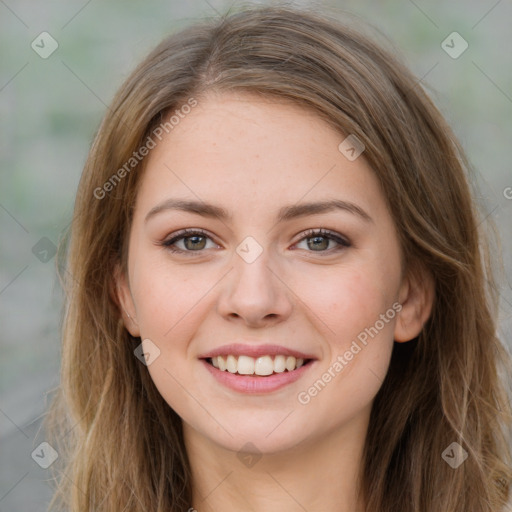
(310, 233)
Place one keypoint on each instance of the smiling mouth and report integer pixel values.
(263, 366)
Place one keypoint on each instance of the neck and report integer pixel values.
(320, 474)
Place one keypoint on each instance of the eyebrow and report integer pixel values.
(285, 213)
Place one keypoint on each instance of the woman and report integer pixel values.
(277, 298)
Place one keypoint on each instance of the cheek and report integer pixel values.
(170, 305)
(165, 299)
(349, 300)
(358, 344)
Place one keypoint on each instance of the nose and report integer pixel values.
(255, 293)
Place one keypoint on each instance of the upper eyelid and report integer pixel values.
(185, 233)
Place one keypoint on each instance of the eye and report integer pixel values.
(318, 240)
(194, 240)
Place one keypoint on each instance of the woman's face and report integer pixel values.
(259, 286)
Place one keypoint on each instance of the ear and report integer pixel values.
(125, 300)
(416, 296)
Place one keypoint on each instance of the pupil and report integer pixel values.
(194, 243)
(316, 238)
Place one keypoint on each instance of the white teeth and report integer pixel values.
(245, 365)
(280, 364)
(264, 365)
(231, 364)
(290, 363)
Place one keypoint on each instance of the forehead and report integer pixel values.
(224, 121)
(243, 149)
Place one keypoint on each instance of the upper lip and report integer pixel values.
(240, 349)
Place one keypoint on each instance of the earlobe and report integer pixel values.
(125, 301)
(417, 297)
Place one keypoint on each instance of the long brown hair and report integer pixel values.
(121, 444)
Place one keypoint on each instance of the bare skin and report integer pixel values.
(252, 157)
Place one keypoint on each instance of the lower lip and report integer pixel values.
(256, 384)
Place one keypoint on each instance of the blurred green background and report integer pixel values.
(51, 107)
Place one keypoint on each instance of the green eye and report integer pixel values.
(321, 238)
(195, 240)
